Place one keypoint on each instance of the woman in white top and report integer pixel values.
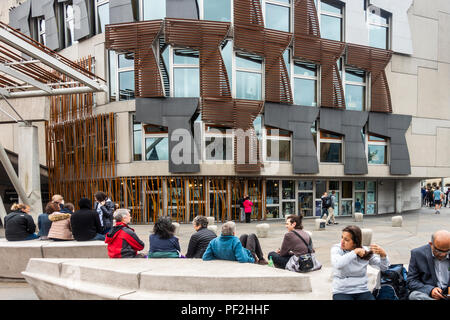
(349, 260)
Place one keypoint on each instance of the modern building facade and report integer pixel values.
(278, 99)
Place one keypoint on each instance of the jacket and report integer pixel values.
(350, 271)
(107, 212)
(227, 248)
(199, 242)
(158, 244)
(123, 242)
(85, 224)
(421, 271)
(44, 225)
(292, 244)
(248, 206)
(18, 226)
(60, 229)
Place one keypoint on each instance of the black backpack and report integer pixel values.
(393, 284)
(327, 202)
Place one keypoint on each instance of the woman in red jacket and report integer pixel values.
(121, 239)
(247, 208)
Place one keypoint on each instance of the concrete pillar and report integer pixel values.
(29, 170)
(2, 211)
(398, 196)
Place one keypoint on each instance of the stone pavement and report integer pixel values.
(416, 231)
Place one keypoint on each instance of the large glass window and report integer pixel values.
(378, 23)
(330, 147)
(217, 10)
(305, 84)
(305, 198)
(69, 24)
(218, 144)
(331, 13)
(371, 197)
(125, 76)
(248, 77)
(377, 150)
(153, 9)
(278, 15)
(102, 15)
(281, 139)
(347, 198)
(355, 89)
(186, 80)
(41, 30)
(137, 140)
(156, 143)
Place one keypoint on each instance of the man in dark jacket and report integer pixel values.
(122, 240)
(19, 225)
(105, 209)
(428, 273)
(199, 241)
(86, 223)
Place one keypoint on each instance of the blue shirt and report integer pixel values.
(164, 245)
(227, 248)
(437, 195)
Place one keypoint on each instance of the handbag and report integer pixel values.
(304, 262)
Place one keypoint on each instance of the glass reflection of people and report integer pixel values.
(357, 206)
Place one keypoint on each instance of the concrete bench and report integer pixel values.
(16, 254)
(262, 230)
(358, 217)
(155, 279)
(397, 221)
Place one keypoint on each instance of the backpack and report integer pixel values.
(392, 284)
(327, 202)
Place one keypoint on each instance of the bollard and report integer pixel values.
(262, 230)
(358, 217)
(397, 221)
(210, 221)
(213, 228)
(177, 228)
(366, 237)
(320, 224)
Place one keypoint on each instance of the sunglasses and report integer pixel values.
(441, 251)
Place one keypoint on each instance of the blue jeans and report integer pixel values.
(99, 236)
(356, 296)
(32, 237)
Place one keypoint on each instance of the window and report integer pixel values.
(330, 147)
(355, 87)
(124, 77)
(102, 15)
(227, 56)
(248, 76)
(278, 14)
(152, 9)
(371, 197)
(69, 24)
(377, 150)
(41, 30)
(156, 142)
(137, 140)
(305, 84)
(185, 73)
(378, 24)
(331, 14)
(216, 10)
(278, 138)
(347, 198)
(218, 144)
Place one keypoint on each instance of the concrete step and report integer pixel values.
(16, 254)
(174, 279)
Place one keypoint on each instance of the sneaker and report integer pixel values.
(336, 223)
(263, 261)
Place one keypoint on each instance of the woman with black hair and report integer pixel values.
(163, 243)
(349, 260)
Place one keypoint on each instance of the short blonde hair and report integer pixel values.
(19, 207)
(57, 198)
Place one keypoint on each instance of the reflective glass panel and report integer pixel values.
(321, 187)
(284, 153)
(217, 10)
(258, 126)
(355, 97)
(288, 191)
(376, 15)
(137, 142)
(126, 61)
(330, 27)
(377, 154)
(154, 9)
(330, 152)
(272, 192)
(360, 185)
(305, 185)
(305, 204)
(378, 37)
(287, 60)
(248, 85)
(347, 189)
(156, 149)
(288, 208)
(305, 69)
(227, 55)
(184, 57)
(346, 207)
(216, 148)
(333, 185)
(272, 212)
(277, 17)
(112, 75)
(247, 62)
(186, 82)
(360, 202)
(305, 92)
(126, 85)
(355, 75)
(329, 6)
(370, 208)
(103, 17)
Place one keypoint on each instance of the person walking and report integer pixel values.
(437, 200)
(330, 218)
(349, 260)
(248, 209)
(325, 204)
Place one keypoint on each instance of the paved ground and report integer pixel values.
(398, 242)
